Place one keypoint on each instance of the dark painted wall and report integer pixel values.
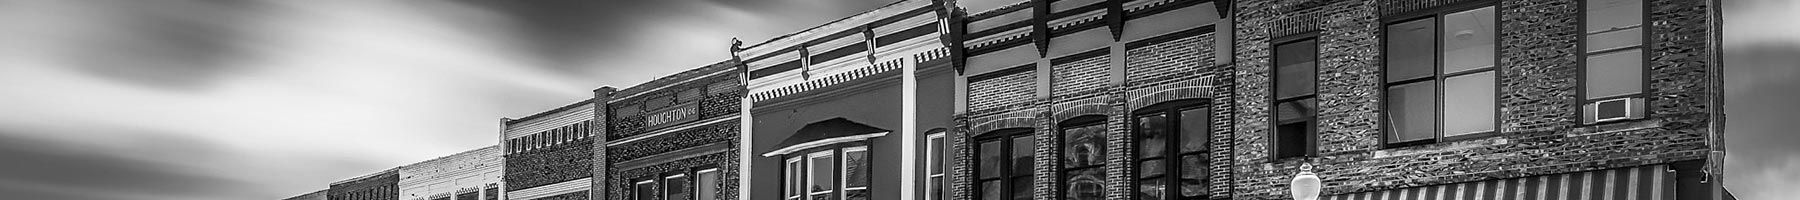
(878, 106)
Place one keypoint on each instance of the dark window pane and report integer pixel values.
(862, 194)
(1616, 73)
(676, 188)
(936, 159)
(1469, 104)
(826, 196)
(1469, 40)
(990, 190)
(646, 191)
(1614, 40)
(823, 178)
(1151, 189)
(1152, 135)
(1409, 49)
(1021, 188)
(1084, 146)
(1295, 66)
(1151, 168)
(1195, 127)
(1193, 175)
(1605, 15)
(856, 169)
(1021, 155)
(990, 160)
(936, 186)
(1412, 112)
(1292, 139)
(1087, 184)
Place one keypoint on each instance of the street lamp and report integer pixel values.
(1305, 185)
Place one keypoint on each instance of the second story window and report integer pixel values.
(645, 189)
(1296, 104)
(1003, 166)
(1440, 77)
(1084, 155)
(822, 175)
(1172, 152)
(934, 166)
(1614, 60)
(675, 187)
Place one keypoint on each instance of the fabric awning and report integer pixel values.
(1638, 183)
(821, 133)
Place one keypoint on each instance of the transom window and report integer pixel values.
(1003, 168)
(1440, 76)
(1172, 152)
(1084, 155)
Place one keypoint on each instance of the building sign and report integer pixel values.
(672, 115)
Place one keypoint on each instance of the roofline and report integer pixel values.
(393, 170)
(675, 79)
(509, 121)
(496, 147)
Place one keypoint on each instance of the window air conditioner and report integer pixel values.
(1613, 110)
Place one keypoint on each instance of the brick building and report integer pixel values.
(470, 175)
(673, 138)
(1442, 99)
(549, 155)
(382, 185)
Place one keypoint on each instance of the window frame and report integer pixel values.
(1438, 76)
(1005, 138)
(1645, 44)
(836, 167)
(1311, 120)
(1063, 172)
(637, 193)
(939, 136)
(719, 175)
(667, 185)
(843, 170)
(1172, 153)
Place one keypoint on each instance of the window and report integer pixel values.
(646, 189)
(675, 187)
(934, 166)
(1614, 51)
(1442, 63)
(1296, 104)
(1084, 154)
(821, 174)
(856, 173)
(706, 184)
(1172, 152)
(1004, 166)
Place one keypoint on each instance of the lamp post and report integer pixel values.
(1305, 185)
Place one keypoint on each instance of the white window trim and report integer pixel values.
(792, 177)
(844, 171)
(701, 173)
(929, 165)
(665, 189)
(810, 168)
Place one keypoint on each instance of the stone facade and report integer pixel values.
(679, 124)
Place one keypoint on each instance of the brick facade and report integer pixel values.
(636, 150)
(1539, 134)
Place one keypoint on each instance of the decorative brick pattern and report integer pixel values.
(549, 165)
(712, 103)
(697, 136)
(1155, 63)
(620, 186)
(1002, 91)
(581, 195)
(1079, 78)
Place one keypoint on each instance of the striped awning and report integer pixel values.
(1636, 183)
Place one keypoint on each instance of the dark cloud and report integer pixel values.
(48, 169)
(164, 44)
(1760, 102)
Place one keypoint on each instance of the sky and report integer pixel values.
(266, 99)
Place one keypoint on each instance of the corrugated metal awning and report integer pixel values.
(1636, 183)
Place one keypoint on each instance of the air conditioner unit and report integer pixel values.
(1613, 110)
